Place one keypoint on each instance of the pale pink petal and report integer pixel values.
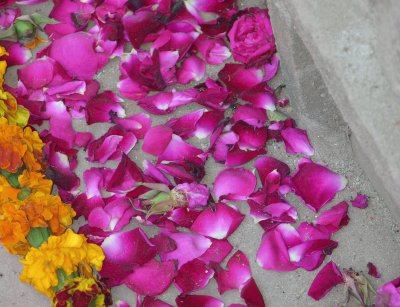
(219, 222)
(193, 276)
(152, 278)
(361, 201)
(192, 69)
(234, 184)
(315, 184)
(189, 247)
(198, 300)
(296, 141)
(326, 279)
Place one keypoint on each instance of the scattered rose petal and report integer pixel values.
(361, 201)
(192, 69)
(388, 294)
(193, 276)
(373, 270)
(234, 184)
(326, 279)
(296, 141)
(198, 300)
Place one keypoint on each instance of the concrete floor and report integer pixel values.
(371, 236)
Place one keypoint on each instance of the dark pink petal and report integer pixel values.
(234, 184)
(267, 165)
(208, 12)
(125, 176)
(310, 254)
(308, 232)
(273, 253)
(111, 146)
(237, 274)
(103, 107)
(184, 217)
(333, 219)
(72, 16)
(252, 116)
(37, 74)
(153, 172)
(250, 137)
(149, 301)
(180, 151)
(279, 212)
(156, 140)
(124, 252)
(193, 276)
(192, 69)
(326, 279)
(373, 270)
(217, 252)
(260, 96)
(213, 50)
(18, 54)
(213, 95)
(152, 278)
(139, 123)
(361, 201)
(113, 217)
(388, 294)
(186, 125)
(251, 294)
(208, 123)
(189, 247)
(219, 222)
(75, 52)
(296, 141)
(198, 300)
(315, 184)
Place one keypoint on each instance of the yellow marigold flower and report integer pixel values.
(35, 181)
(83, 291)
(18, 146)
(64, 252)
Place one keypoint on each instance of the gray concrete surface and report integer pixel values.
(372, 234)
(354, 45)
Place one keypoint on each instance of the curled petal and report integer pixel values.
(329, 277)
(103, 107)
(333, 219)
(361, 201)
(234, 184)
(219, 222)
(152, 278)
(296, 141)
(139, 124)
(373, 270)
(316, 184)
(18, 54)
(213, 50)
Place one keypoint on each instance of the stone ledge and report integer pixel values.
(337, 42)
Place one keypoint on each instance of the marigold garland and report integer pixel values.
(33, 222)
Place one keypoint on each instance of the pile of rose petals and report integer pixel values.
(164, 48)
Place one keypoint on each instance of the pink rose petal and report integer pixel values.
(333, 219)
(296, 141)
(234, 184)
(152, 278)
(217, 252)
(192, 69)
(388, 295)
(18, 54)
(193, 276)
(219, 222)
(326, 279)
(316, 184)
(251, 294)
(198, 300)
(361, 201)
(373, 270)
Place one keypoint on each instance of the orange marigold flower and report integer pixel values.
(66, 252)
(18, 146)
(35, 181)
(7, 192)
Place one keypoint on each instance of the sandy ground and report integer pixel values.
(372, 234)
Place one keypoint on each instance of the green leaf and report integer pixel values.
(62, 278)
(37, 236)
(7, 32)
(12, 178)
(24, 193)
(276, 116)
(40, 19)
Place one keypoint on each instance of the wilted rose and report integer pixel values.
(251, 37)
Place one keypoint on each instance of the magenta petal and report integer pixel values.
(260, 96)
(101, 108)
(124, 251)
(125, 176)
(296, 141)
(192, 69)
(193, 276)
(198, 300)
(186, 125)
(273, 253)
(234, 184)
(18, 54)
(333, 219)
(251, 294)
(189, 247)
(388, 295)
(75, 52)
(149, 301)
(316, 184)
(217, 252)
(121, 304)
(373, 270)
(219, 222)
(213, 50)
(326, 279)
(252, 116)
(196, 194)
(37, 74)
(152, 278)
(157, 139)
(361, 201)
(238, 273)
